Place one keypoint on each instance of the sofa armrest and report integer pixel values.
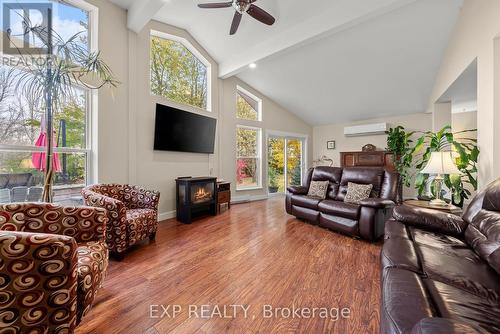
(431, 220)
(45, 265)
(82, 223)
(297, 190)
(141, 198)
(444, 326)
(377, 203)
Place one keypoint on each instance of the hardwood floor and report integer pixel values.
(254, 255)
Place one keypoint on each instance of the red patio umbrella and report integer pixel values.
(38, 158)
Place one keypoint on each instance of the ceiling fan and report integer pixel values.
(242, 6)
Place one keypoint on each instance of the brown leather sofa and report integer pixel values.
(441, 273)
(365, 220)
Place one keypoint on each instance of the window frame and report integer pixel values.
(91, 105)
(258, 157)
(90, 142)
(252, 96)
(196, 53)
(287, 136)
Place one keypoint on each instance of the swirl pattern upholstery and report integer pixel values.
(53, 260)
(132, 213)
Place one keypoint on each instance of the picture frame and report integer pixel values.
(330, 145)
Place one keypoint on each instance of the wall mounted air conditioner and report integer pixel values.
(366, 129)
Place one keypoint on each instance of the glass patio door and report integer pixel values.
(285, 162)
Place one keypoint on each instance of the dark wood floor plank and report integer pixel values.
(256, 255)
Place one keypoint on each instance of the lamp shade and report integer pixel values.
(440, 163)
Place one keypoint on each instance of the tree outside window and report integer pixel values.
(248, 107)
(248, 157)
(177, 74)
(22, 116)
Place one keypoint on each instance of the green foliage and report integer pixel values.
(296, 179)
(272, 177)
(177, 74)
(398, 142)
(276, 162)
(247, 141)
(244, 110)
(466, 151)
(53, 79)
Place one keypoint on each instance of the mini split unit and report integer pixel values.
(366, 129)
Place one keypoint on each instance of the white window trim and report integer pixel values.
(288, 135)
(258, 157)
(195, 53)
(90, 143)
(91, 167)
(254, 97)
(93, 21)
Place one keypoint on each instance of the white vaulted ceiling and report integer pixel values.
(325, 60)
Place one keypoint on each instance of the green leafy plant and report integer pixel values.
(466, 151)
(52, 78)
(273, 179)
(399, 143)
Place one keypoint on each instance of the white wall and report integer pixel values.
(112, 152)
(464, 121)
(126, 116)
(322, 134)
(474, 37)
(274, 118)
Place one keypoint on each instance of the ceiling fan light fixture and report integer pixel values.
(241, 7)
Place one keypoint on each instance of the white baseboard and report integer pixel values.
(235, 200)
(167, 215)
(248, 198)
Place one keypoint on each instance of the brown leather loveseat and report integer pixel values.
(441, 273)
(365, 220)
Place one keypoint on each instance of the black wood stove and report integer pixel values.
(196, 197)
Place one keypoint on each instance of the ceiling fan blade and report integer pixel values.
(216, 5)
(236, 23)
(261, 15)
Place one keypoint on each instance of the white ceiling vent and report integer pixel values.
(366, 129)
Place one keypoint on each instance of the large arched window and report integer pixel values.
(179, 72)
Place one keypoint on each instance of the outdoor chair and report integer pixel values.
(19, 194)
(5, 195)
(35, 194)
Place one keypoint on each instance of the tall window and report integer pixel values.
(178, 72)
(248, 159)
(22, 127)
(248, 106)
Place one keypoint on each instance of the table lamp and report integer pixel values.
(440, 163)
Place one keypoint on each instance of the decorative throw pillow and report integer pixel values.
(318, 189)
(357, 192)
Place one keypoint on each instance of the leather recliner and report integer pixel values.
(440, 272)
(365, 220)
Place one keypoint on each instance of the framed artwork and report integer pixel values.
(330, 145)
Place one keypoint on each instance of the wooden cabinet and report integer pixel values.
(223, 196)
(367, 159)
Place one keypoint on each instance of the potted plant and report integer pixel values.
(52, 77)
(466, 152)
(399, 144)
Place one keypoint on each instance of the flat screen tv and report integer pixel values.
(182, 131)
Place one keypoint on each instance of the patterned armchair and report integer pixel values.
(132, 213)
(53, 260)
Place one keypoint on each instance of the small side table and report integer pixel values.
(223, 196)
(454, 210)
